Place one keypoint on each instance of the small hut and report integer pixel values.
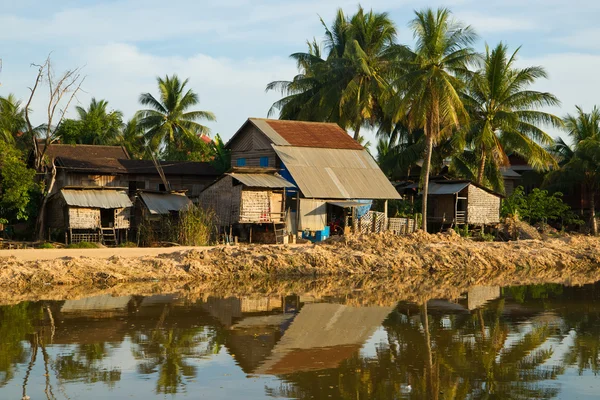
(157, 213)
(88, 214)
(249, 201)
(459, 202)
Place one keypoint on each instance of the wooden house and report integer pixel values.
(334, 175)
(459, 202)
(245, 197)
(89, 214)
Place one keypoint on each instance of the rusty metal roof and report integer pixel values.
(96, 198)
(164, 203)
(88, 158)
(336, 173)
(313, 134)
(262, 180)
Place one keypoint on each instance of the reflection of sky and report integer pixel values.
(218, 377)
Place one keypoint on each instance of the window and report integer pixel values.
(135, 185)
(161, 187)
(241, 162)
(264, 161)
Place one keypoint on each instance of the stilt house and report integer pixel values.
(335, 178)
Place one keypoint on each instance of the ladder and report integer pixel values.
(108, 236)
(279, 227)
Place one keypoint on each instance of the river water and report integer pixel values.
(523, 342)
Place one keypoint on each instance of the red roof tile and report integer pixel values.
(314, 134)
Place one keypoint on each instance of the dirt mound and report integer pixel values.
(367, 255)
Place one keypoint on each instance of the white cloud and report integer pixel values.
(491, 23)
(233, 89)
(582, 39)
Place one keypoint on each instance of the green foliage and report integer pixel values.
(463, 230)
(220, 156)
(196, 226)
(96, 125)
(538, 206)
(504, 118)
(17, 184)
(169, 121)
(46, 245)
(83, 245)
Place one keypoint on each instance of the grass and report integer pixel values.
(46, 246)
(82, 245)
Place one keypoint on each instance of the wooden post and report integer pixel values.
(297, 212)
(250, 234)
(385, 216)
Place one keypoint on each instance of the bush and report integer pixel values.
(83, 245)
(46, 246)
(127, 244)
(538, 206)
(196, 226)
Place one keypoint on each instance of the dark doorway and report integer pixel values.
(107, 217)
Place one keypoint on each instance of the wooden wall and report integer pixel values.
(252, 144)
(483, 207)
(122, 218)
(442, 205)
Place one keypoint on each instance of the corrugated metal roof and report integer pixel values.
(164, 203)
(446, 188)
(348, 203)
(262, 180)
(336, 173)
(313, 134)
(265, 128)
(96, 198)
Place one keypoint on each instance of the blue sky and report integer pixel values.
(230, 49)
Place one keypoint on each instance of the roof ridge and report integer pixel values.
(296, 121)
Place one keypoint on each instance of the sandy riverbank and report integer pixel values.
(375, 255)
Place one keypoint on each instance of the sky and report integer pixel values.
(231, 49)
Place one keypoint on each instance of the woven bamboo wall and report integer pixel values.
(84, 218)
(256, 206)
(483, 207)
(224, 199)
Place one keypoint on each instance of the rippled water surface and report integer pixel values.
(524, 342)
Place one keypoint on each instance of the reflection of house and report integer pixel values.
(320, 336)
(478, 296)
(462, 202)
(320, 159)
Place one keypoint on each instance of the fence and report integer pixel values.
(375, 222)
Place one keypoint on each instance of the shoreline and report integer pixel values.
(380, 256)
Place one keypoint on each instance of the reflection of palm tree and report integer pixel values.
(167, 351)
(15, 325)
(84, 364)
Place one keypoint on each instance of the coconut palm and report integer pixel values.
(504, 116)
(98, 124)
(429, 89)
(347, 86)
(581, 161)
(133, 139)
(168, 119)
(12, 118)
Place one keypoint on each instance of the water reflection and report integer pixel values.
(520, 342)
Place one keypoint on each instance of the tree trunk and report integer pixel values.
(593, 222)
(427, 165)
(357, 131)
(41, 221)
(481, 168)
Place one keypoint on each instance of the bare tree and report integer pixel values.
(62, 91)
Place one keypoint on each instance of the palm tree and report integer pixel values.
(581, 161)
(12, 118)
(133, 139)
(168, 120)
(503, 114)
(98, 125)
(429, 90)
(347, 86)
